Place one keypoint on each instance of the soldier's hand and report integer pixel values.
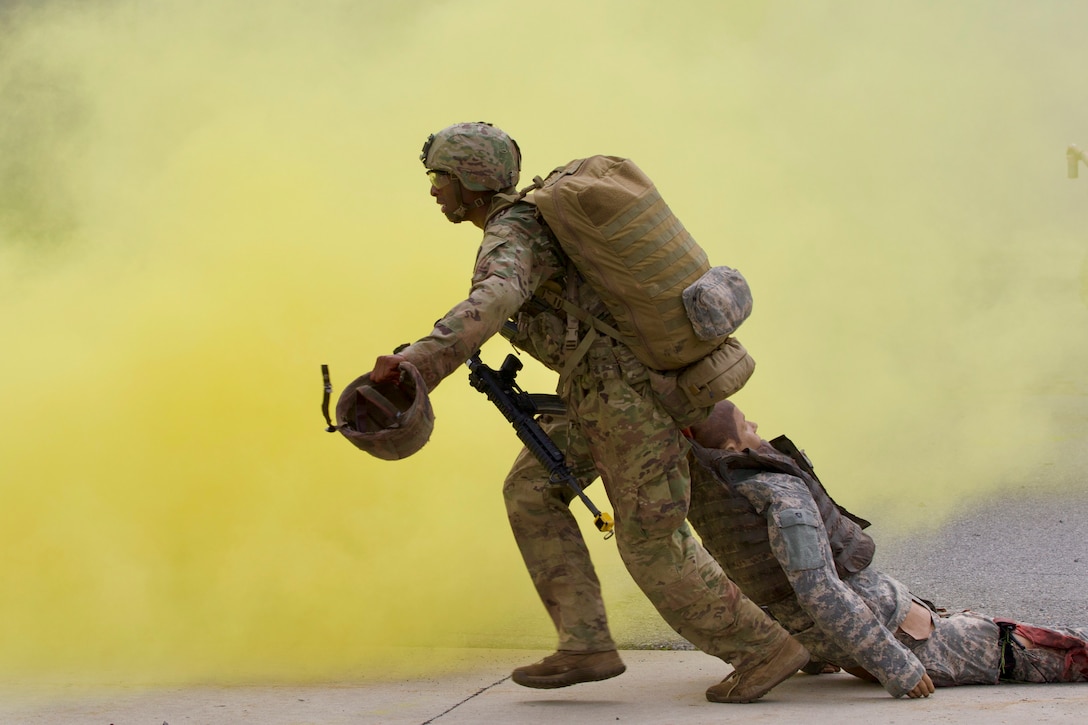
(924, 688)
(386, 369)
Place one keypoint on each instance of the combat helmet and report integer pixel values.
(481, 156)
(387, 420)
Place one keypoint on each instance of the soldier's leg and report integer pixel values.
(973, 649)
(641, 457)
(558, 562)
(553, 549)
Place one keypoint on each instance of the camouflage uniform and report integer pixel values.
(967, 648)
(852, 619)
(828, 606)
(617, 427)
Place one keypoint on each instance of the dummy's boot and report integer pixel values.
(569, 668)
(755, 682)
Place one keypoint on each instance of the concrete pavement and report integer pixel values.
(660, 687)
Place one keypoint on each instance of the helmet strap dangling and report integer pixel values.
(458, 215)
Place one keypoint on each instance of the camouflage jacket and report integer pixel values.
(517, 255)
(852, 547)
(846, 614)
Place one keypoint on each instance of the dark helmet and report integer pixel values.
(481, 156)
(387, 420)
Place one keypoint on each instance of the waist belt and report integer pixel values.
(1008, 650)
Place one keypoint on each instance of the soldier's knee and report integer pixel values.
(514, 488)
(529, 495)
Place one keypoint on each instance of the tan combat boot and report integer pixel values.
(755, 682)
(569, 668)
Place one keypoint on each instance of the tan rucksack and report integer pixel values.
(671, 308)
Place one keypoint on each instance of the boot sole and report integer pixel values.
(574, 677)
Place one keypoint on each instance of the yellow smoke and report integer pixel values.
(199, 206)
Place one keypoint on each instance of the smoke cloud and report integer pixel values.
(200, 204)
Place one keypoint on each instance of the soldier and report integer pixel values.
(766, 518)
(616, 426)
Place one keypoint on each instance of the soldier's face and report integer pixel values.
(445, 194)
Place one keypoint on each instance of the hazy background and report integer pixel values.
(201, 202)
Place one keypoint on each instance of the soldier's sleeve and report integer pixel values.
(504, 278)
(800, 543)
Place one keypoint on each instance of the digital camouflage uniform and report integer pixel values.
(615, 426)
(766, 529)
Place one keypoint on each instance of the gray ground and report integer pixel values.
(1023, 556)
(1024, 553)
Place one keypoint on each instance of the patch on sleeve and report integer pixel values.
(801, 533)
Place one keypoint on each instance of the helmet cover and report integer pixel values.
(482, 157)
(717, 303)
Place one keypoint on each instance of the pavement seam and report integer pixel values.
(454, 707)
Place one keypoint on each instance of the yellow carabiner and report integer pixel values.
(605, 524)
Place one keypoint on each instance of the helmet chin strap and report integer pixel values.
(458, 215)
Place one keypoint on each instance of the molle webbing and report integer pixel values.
(852, 548)
(736, 536)
(613, 224)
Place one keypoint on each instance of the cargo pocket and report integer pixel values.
(674, 401)
(662, 503)
(801, 535)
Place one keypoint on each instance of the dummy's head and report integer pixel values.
(727, 428)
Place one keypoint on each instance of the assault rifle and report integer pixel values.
(521, 408)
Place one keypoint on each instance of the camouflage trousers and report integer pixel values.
(618, 430)
(963, 649)
(967, 648)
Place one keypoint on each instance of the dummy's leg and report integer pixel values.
(972, 649)
(641, 456)
(556, 557)
(1042, 654)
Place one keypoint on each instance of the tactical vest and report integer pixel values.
(736, 534)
